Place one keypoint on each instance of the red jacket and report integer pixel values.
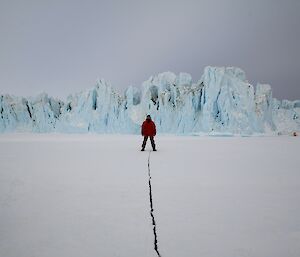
(148, 128)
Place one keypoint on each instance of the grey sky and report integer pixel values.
(63, 46)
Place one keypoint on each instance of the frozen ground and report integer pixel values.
(88, 195)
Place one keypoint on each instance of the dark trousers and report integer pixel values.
(145, 141)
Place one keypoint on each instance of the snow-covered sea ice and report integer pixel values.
(85, 195)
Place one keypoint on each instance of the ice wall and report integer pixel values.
(222, 101)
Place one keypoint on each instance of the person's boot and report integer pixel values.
(154, 150)
(143, 149)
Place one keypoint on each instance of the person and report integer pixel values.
(148, 130)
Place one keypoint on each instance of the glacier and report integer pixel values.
(221, 102)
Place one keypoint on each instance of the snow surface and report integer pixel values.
(88, 195)
(222, 101)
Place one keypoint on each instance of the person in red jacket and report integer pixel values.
(148, 130)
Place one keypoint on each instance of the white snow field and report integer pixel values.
(88, 195)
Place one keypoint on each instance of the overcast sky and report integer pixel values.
(62, 46)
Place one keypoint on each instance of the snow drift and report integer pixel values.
(222, 101)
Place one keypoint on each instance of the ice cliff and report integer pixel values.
(222, 101)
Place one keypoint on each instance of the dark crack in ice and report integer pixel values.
(152, 209)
